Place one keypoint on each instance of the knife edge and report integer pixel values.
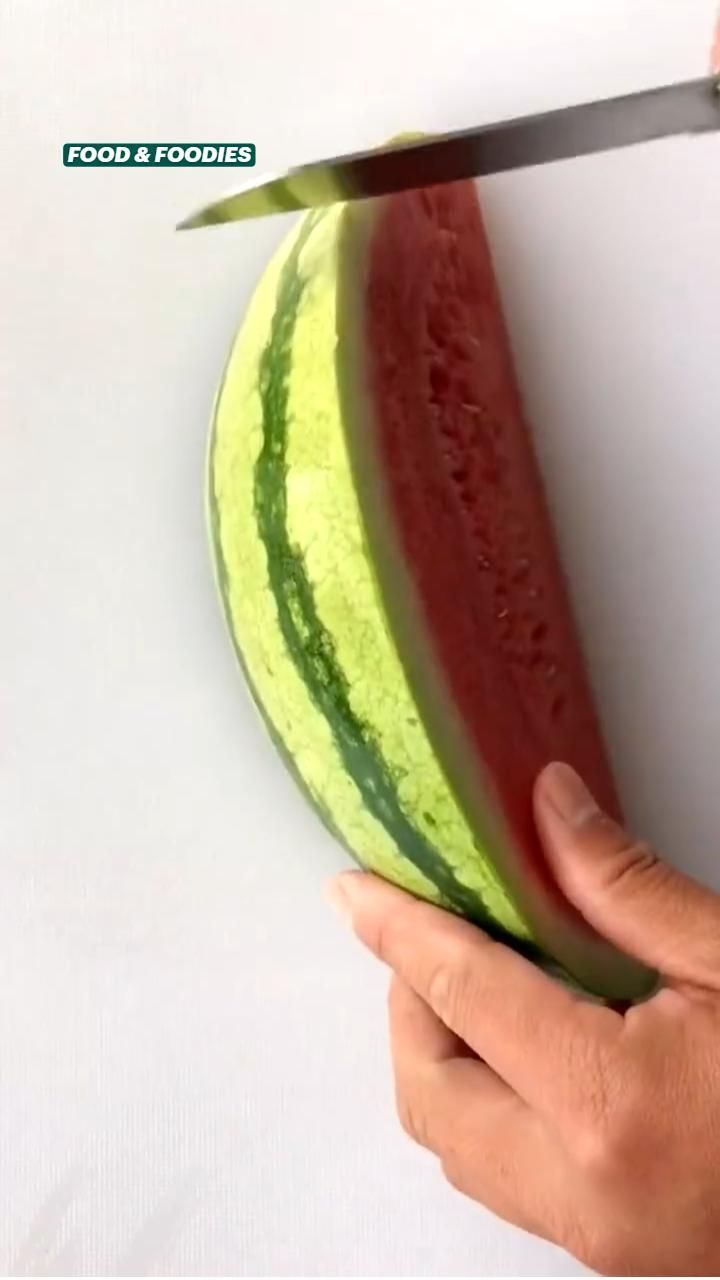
(687, 107)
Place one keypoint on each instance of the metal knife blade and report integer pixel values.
(692, 106)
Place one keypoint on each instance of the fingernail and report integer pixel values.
(339, 899)
(567, 795)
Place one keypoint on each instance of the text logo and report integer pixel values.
(88, 155)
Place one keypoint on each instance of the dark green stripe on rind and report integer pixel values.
(308, 641)
(223, 584)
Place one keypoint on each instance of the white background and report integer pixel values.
(193, 1067)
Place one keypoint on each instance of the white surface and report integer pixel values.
(193, 1074)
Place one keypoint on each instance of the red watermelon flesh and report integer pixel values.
(466, 494)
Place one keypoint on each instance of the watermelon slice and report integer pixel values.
(389, 569)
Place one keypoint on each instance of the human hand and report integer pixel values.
(597, 1130)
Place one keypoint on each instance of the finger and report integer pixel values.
(495, 1001)
(493, 1148)
(416, 1034)
(622, 888)
(419, 1043)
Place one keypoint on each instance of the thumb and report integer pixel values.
(622, 888)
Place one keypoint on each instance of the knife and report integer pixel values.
(692, 106)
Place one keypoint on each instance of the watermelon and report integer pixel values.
(389, 572)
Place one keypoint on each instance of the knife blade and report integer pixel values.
(688, 107)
